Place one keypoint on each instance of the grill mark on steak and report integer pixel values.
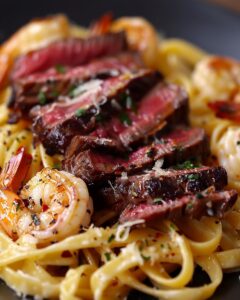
(69, 52)
(55, 124)
(52, 83)
(211, 204)
(93, 166)
(166, 184)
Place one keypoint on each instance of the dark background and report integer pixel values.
(211, 27)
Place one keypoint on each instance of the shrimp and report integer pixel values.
(15, 171)
(217, 78)
(141, 36)
(51, 206)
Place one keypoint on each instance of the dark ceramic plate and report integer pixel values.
(210, 27)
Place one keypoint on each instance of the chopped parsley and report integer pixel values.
(71, 90)
(111, 238)
(146, 258)
(42, 99)
(124, 118)
(99, 118)
(199, 196)
(80, 112)
(158, 201)
(35, 219)
(107, 255)
(127, 102)
(54, 94)
(193, 176)
(173, 227)
(189, 205)
(60, 69)
(186, 165)
(57, 165)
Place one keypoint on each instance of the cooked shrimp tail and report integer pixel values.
(51, 206)
(15, 171)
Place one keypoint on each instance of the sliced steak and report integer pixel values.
(166, 184)
(69, 52)
(30, 90)
(55, 124)
(92, 165)
(165, 103)
(194, 206)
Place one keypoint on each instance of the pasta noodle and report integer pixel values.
(107, 262)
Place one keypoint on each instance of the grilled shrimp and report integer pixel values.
(217, 78)
(51, 206)
(141, 37)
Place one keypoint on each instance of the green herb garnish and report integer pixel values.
(54, 94)
(99, 118)
(186, 165)
(108, 256)
(193, 176)
(71, 90)
(124, 118)
(158, 201)
(146, 258)
(173, 227)
(189, 205)
(60, 69)
(127, 102)
(80, 112)
(42, 99)
(111, 238)
(199, 196)
(35, 219)
(57, 165)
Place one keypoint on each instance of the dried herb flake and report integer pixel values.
(60, 68)
(42, 99)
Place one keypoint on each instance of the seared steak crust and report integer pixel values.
(93, 166)
(165, 184)
(194, 206)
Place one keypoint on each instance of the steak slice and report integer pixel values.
(165, 102)
(194, 206)
(166, 184)
(69, 52)
(54, 82)
(92, 165)
(55, 124)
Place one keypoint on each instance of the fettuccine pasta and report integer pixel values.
(107, 262)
